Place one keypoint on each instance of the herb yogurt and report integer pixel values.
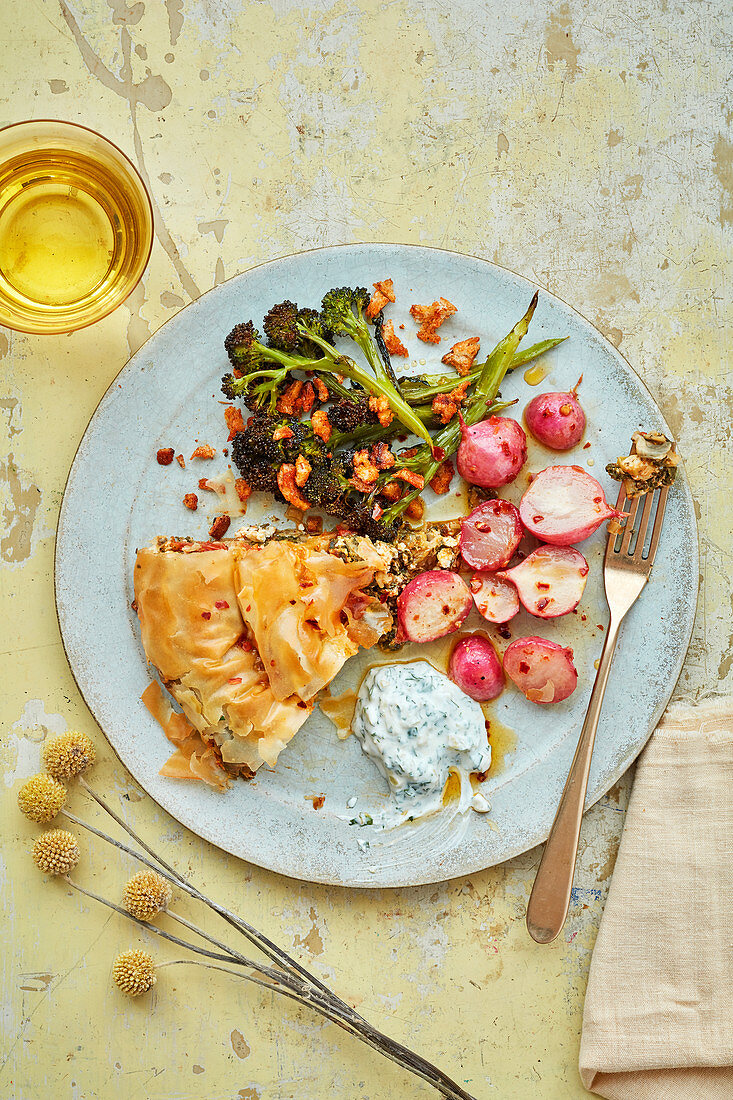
(418, 727)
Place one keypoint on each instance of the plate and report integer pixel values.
(117, 498)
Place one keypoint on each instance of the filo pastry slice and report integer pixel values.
(194, 635)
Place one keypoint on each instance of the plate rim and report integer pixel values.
(524, 845)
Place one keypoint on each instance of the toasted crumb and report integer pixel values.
(321, 425)
(287, 485)
(288, 403)
(191, 501)
(440, 483)
(165, 456)
(283, 432)
(383, 293)
(181, 461)
(242, 489)
(416, 480)
(380, 406)
(302, 470)
(430, 318)
(415, 509)
(318, 801)
(392, 341)
(462, 354)
(446, 405)
(321, 389)
(204, 450)
(219, 527)
(235, 421)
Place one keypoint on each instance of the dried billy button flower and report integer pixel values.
(134, 972)
(56, 852)
(40, 798)
(146, 894)
(68, 754)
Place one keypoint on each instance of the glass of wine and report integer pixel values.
(76, 227)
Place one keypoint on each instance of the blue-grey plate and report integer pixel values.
(117, 498)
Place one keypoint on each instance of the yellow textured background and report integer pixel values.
(586, 146)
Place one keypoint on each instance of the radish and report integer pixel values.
(542, 670)
(550, 581)
(490, 535)
(556, 420)
(564, 505)
(432, 605)
(492, 453)
(476, 669)
(495, 599)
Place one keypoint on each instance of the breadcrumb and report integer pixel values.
(302, 470)
(430, 318)
(219, 527)
(462, 354)
(191, 501)
(380, 406)
(243, 489)
(440, 483)
(165, 456)
(321, 425)
(235, 421)
(383, 293)
(204, 450)
(393, 343)
(287, 485)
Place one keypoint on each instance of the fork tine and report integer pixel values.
(657, 528)
(629, 528)
(639, 547)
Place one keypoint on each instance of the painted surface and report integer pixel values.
(585, 146)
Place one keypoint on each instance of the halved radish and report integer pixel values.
(550, 581)
(564, 505)
(491, 453)
(432, 605)
(475, 668)
(490, 535)
(495, 599)
(542, 670)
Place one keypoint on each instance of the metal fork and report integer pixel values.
(625, 573)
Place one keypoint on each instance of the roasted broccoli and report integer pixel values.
(301, 340)
(271, 444)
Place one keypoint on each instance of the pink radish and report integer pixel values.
(542, 670)
(556, 420)
(492, 453)
(564, 505)
(495, 599)
(432, 605)
(490, 535)
(550, 581)
(476, 669)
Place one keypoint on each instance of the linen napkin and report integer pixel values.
(658, 1019)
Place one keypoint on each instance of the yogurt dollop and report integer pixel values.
(418, 727)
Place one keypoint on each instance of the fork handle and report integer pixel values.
(550, 897)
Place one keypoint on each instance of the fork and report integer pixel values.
(625, 572)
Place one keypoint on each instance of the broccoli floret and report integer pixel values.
(342, 310)
(347, 416)
(243, 347)
(280, 326)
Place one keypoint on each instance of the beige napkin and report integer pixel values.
(658, 1020)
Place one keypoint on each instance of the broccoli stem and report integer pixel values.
(481, 403)
(416, 392)
(378, 384)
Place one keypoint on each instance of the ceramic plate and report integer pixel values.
(117, 498)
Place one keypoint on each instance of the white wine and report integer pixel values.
(75, 227)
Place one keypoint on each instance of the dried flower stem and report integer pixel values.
(257, 939)
(285, 985)
(284, 981)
